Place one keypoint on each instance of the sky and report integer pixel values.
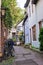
(21, 3)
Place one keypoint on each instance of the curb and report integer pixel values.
(38, 51)
(41, 52)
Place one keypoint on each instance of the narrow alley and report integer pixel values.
(27, 57)
(21, 32)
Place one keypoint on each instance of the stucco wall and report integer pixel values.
(34, 19)
(39, 8)
(26, 32)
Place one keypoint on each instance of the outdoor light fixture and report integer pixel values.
(3, 12)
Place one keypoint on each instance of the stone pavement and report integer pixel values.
(27, 57)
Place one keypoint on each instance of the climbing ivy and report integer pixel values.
(14, 14)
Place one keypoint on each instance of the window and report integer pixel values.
(34, 32)
(40, 25)
(32, 8)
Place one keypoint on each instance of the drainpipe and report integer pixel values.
(24, 32)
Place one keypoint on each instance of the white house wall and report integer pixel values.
(20, 26)
(26, 32)
(34, 19)
(13, 30)
(39, 8)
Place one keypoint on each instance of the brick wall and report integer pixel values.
(0, 27)
(3, 36)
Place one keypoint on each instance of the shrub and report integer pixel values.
(14, 39)
(21, 37)
(27, 45)
(41, 39)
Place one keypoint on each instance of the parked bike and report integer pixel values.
(8, 49)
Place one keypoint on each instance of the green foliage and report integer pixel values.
(9, 61)
(7, 3)
(14, 39)
(16, 12)
(41, 39)
(8, 19)
(21, 37)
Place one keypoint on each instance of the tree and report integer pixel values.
(16, 12)
(8, 19)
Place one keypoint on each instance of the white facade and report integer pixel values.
(13, 30)
(35, 15)
(26, 32)
(20, 26)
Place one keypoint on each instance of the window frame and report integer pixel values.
(40, 24)
(34, 32)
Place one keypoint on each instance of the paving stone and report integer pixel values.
(26, 62)
(27, 57)
(27, 54)
(20, 59)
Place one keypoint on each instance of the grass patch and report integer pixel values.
(8, 61)
(35, 48)
(27, 45)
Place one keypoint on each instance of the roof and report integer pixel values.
(26, 4)
(34, 1)
(19, 22)
(25, 19)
